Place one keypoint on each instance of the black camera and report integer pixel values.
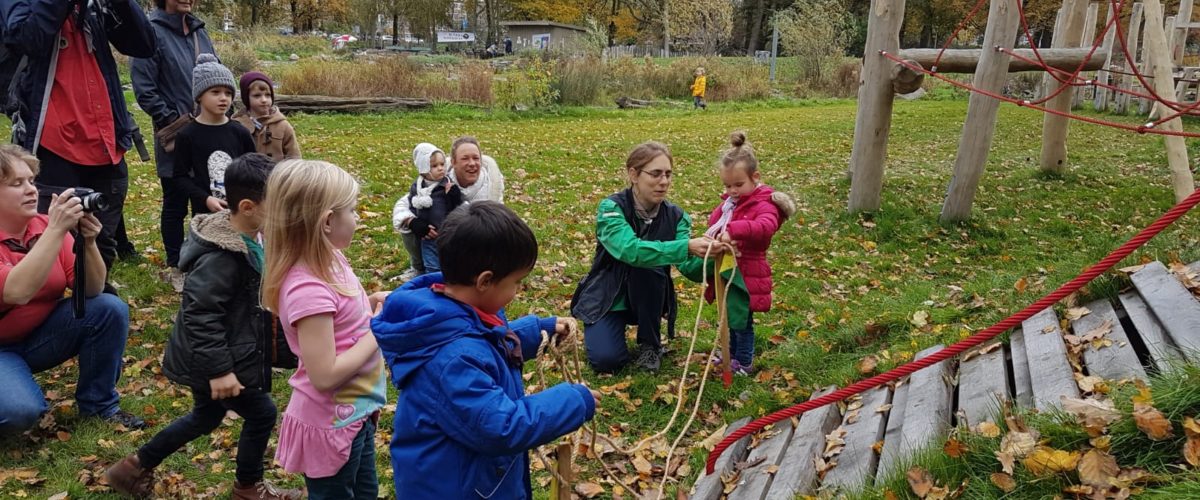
(90, 200)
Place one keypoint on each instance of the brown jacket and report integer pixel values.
(274, 137)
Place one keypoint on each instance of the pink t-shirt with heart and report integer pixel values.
(318, 428)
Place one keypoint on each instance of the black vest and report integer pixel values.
(650, 292)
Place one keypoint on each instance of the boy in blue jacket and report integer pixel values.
(463, 423)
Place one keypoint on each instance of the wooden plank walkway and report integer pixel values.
(1150, 327)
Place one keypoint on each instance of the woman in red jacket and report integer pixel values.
(749, 215)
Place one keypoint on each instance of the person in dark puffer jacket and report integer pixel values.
(220, 348)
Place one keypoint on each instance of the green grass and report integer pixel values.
(835, 273)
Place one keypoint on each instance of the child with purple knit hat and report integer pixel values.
(273, 135)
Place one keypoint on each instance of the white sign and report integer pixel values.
(455, 36)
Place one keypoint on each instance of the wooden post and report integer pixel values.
(723, 326)
(980, 125)
(1100, 102)
(1049, 83)
(1132, 40)
(875, 95)
(1054, 127)
(1161, 68)
(1088, 38)
(562, 465)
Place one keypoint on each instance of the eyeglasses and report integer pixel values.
(657, 174)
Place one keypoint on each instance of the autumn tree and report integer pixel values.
(816, 32)
(424, 17)
(704, 23)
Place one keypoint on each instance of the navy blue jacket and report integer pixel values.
(463, 423)
(31, 29)
(163, 83)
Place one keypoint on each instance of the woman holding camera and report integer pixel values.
(37, 265)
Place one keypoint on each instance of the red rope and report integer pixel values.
(957, 29)
(962, 346)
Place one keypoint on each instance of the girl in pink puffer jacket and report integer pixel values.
(749, 215)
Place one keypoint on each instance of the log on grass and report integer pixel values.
(320, 103)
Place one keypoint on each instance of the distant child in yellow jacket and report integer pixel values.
(698, 88)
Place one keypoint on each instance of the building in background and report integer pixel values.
(541, 35)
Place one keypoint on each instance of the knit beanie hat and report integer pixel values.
(422, 154)
(209, 73)
(251, 77)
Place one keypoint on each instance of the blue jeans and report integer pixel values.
(254, 406)
(356, 479)
(741, 342)
(429, 257)
(99, 341)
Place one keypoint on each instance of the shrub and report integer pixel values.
(239, 57)
(580, 80)
(529, 84)
(816, 31)
(389, 76)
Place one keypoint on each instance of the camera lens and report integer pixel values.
(93, 202)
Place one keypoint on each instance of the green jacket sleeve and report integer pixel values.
(692, 268)
(620, 241)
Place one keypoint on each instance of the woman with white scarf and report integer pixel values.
(475, 173)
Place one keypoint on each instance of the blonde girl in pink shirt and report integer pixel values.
(328, 429)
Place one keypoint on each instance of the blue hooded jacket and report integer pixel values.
(463, 423)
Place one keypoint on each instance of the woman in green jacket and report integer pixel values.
(639, 237)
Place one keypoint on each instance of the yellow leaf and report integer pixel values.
(1097, 468)
(1045, 461)
(1143, 395)
(920, 481)
(643, 467)
(1004, 481)
(1152, 422)
(988, 429)
(1021, 285)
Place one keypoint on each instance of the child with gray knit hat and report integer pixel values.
(206, 147)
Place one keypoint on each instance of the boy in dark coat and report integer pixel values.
(220, 347)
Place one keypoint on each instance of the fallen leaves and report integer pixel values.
(1152, 422)
(1075, 313)
(1045, 460)
(866, 366)
(1191, 448)
(1097, 468)
(1003, 481)
(920, 319)
(954, 448)
(1093, 414)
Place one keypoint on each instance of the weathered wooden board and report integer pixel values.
(1114, 362)
(891, 436)
(1162, 351)
(710, 487)
(797, 473)
(1020, 368)
(755, 480)
(856, 464)
(1173, 305)
(1049, 370)
(927, 413)
(982, 385)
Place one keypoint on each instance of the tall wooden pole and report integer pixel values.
(1088, 38)
(1162, 68)
(1054, 127)
(875, 95)
(1100, 102)
(1133, 39)
(980, 125)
